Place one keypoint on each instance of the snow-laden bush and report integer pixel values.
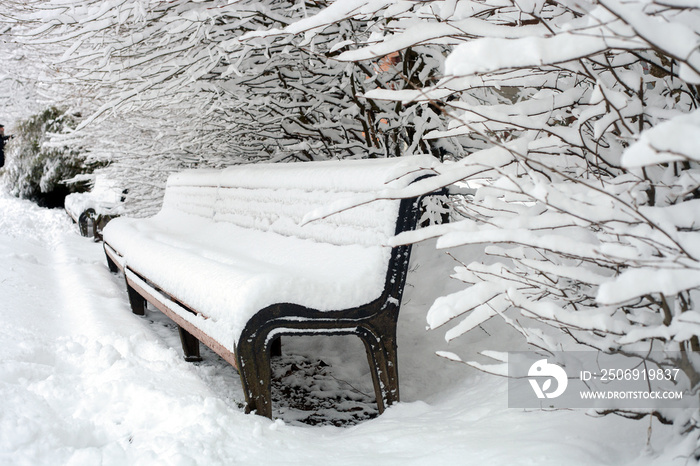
(177, 86)
(36, 169)
(589, 111)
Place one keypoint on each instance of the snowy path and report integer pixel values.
(83, 381)
(80, 378)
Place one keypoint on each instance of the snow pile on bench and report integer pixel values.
(228, 243)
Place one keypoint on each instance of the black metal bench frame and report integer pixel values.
(374, 323)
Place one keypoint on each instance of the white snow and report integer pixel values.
(83, 381)
(674, 140)
(489, 54)
(642, 281)
(427, 33)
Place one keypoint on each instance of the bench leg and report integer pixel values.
(137, 302)
(254, 368)
(381, 355)
(378, 333)
(190, 345)
(112, 266)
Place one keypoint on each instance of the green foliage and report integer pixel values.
(36, 169)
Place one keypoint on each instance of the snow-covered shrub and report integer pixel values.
(175, 84)
(589, 115)
(36, 169)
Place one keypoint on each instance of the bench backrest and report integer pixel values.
(276, 197)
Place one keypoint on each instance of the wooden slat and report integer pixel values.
(116, 258)
(151, 295)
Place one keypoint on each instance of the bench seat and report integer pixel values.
(228, 273)
(230, 258)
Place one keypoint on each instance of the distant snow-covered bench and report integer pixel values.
(230, 259)
(94, 209)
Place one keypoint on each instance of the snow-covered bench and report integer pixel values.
(231, 261)
(91, 211)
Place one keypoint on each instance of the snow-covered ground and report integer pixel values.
(85, 382)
